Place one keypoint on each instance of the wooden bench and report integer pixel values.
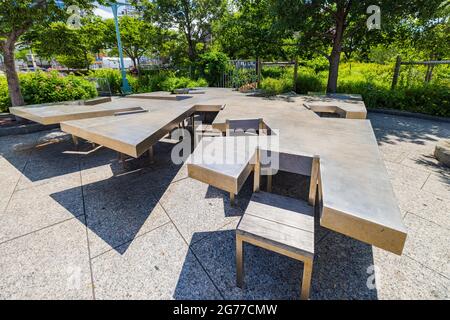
(280, 224)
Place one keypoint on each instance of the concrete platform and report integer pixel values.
(190, 253)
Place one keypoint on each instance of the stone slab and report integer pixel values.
(157, 265)
(52, 263)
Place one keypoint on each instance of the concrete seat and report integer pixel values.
(243, 127)
(280, 224)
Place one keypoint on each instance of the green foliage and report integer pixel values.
(148, 81)
(73, 48)
(273, 86)
(318, 64)
(41, 87)
(74, 61)
(211, 65)
(373, 82)
(241, 76)
(275, 72)
(172, 83)
(308, 81)
(250, 31)
(5, 102)
(192, 18)
(429, 99)
(138, 37)
(382, 54)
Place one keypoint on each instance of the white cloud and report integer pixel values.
(104, 12)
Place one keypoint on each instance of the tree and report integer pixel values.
(74, 48)
(138, 37)
(248, 30)
(193, 18)
(16, 18)
(328, 27)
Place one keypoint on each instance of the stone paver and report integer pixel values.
(197, 208)
(427, 243)
(52, 263)
(69, 215)
(37, 207)
(157, 265)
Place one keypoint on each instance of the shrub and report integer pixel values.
(273, 86)
(308, 81)
(41, 87)
(148, 81)
(242, 76)
(114, 78)
(276, 72)
(429, 99)
(317, 64)
(212, 65)
(5, 102)
(172, 83)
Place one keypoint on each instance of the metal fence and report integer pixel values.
(238, 73)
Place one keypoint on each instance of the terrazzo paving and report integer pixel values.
(75, 225)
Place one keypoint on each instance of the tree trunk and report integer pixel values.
(335, 56)
(133, 59)
(191, 50)
(11, 75)
(333, 73)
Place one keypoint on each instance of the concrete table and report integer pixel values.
(357, 195)
(56, 113)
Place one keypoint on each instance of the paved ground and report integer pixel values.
(74, 224)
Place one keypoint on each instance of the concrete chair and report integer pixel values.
(244, 127)
(280, 224)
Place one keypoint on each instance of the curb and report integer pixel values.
(409, 114)
(25, 129)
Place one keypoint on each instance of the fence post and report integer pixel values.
(295, 73)
(396, 72)
(258, 69)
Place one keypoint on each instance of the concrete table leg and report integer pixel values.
(269, 183)
(151, 155)
(75, 140)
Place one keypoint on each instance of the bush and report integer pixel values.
(41, 87)
(148, 81)
(276, 72)
(212, 65)
(172, 83)
(241, 76)
(114, 78)
(428, 99)
(307, 81)
(273, 86)
(318, 64)
(5, 102)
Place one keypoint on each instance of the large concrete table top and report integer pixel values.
(131, 134)
(357, 195)
(55, 114)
